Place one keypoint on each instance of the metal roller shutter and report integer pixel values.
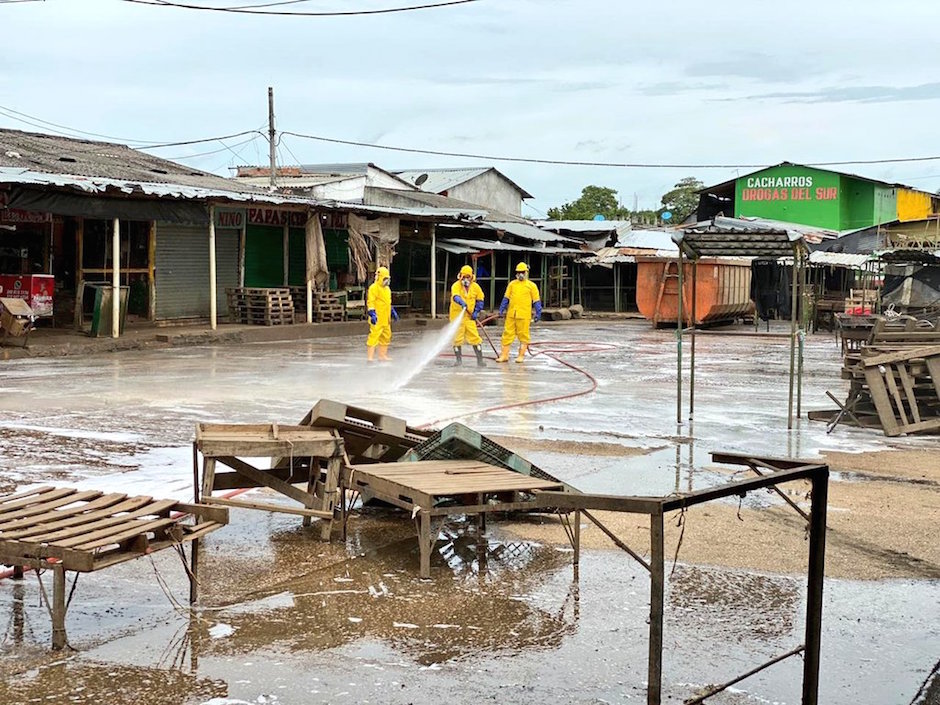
(182, 270)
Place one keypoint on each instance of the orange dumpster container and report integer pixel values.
(723, 290)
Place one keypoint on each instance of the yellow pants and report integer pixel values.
(516, 328)
(379, 334)
(467, 332)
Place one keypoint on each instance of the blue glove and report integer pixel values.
(476, 310)
(372, 317)
(394, 314)
(538, 310)
(458, 299)
(503, 306)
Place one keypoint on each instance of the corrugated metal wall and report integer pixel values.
(182, 270)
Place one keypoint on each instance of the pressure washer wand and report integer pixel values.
(480, 326)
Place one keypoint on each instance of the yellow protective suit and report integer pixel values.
(468, 330)
(379, 299)
(522, 296)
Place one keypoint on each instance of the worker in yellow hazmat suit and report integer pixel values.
(521, 296)
(466, 301)
(381, 314)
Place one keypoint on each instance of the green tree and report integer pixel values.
(683, 199)
(594, 200)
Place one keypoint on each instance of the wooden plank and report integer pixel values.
(270, 448)
(216, 515)
(48, 507)
(268, 507)
(136, 507)
(933, 367)
(106, 528)
(132, 530)
(900, 355)
(106, 505)
(908, 387)
(612, 503)
(265, 480)
(233, 481)
(27, 493)
(73, 560)
(49, 496)
(895, 394)
(879, 395)
(457, 509)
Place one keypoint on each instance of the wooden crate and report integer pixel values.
(261, 306)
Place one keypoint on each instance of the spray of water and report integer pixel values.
(417, 356)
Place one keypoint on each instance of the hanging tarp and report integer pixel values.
(384, 232)
(770, 289)
(318, 272)
(911, 286)
(108, 208)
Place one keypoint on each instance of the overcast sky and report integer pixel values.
(677, 81)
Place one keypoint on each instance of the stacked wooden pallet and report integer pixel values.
(328, 306)
(861, 301)
(894, 379)
(299, 296)
(261, 306)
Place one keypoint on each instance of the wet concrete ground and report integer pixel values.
(288, 619)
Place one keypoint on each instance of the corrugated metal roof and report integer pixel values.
(440, 180)
(455, 214)
(736, 237)
(481, 245)
(585, 226)
(54, 154)
(349, 169)
(92, 184)
(524, 230)
(647, 240)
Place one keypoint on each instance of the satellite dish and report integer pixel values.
(599, 216)
(666, 215)
(421, 179)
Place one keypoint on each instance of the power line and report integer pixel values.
(67, 131)
(225, 148)
(620, 165)
(246, 9)
(280, 140)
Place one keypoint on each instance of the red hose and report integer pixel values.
(552, 350)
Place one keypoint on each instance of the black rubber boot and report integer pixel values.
(479, 351)
(458, 357)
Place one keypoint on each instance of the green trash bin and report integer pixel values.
(101, 314)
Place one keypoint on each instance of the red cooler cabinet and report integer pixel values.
(35, 289)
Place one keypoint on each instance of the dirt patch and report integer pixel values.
(521, 445)
(919, 464)
(877, 530)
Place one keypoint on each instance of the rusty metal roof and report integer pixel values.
(736, 237)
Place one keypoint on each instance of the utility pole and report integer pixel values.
(271, 133)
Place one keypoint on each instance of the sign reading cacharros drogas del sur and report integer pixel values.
(793, 194)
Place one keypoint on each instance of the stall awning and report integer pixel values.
(734, 237)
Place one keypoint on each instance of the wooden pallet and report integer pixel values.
(261, 306)
(67, 529)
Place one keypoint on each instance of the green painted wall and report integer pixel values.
(297, 257)
(264, 256)
(814, 197)
(791, 193)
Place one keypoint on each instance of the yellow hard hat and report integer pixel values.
(522, 267)
(466, 271)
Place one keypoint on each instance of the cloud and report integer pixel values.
(856, 94)
(757, 66)
(668, 88)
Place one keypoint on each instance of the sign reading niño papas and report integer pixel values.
(275, 217)
(786, 188)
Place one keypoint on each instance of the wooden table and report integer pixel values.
(83, 531)
(440, 488)
(296, 453)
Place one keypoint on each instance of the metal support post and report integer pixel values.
(657, 590)
(793, 308)
(815, 578)
(679, 345)
(433, 271)
(116, 279)
(213, 284)
(694, 327)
